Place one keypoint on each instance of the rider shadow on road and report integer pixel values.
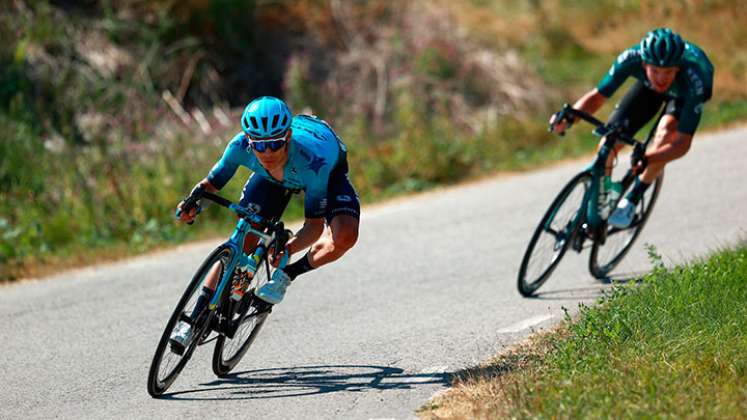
(309, 380)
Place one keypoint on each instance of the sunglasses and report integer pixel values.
(261, 146)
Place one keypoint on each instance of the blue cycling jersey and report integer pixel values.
(314, 150)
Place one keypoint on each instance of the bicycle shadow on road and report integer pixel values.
(309, 380)
(591, 292)
(622, 278)
(584, 293)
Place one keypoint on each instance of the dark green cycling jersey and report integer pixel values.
(691, 88)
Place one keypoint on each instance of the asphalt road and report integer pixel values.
(429, 289)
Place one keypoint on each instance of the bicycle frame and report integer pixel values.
(236, 244)
(596, 168)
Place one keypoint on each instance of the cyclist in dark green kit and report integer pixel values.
(669, 71)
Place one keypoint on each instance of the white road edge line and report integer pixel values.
(513, 328)
(522, 325)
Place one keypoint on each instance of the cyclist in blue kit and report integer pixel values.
(669, 71)
(287, 154)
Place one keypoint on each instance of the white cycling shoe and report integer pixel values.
(274, 290)
(623, 214)
(181, 337)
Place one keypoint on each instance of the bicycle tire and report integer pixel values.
(528, 286)
(601, 270)
(247, 330)
(157, 385)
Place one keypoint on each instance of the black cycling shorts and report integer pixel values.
(270, 199)
(639, 105)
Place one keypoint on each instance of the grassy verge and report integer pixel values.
(673, 346)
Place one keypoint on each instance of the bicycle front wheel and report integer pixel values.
(250, 315)
(167, 364)
(605, 257)
(553, 235)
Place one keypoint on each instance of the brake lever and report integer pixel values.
(638, 155)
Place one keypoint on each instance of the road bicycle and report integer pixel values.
(236, 321)
(577, 216)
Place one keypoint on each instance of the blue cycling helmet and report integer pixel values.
(266, 117)
(662, 47)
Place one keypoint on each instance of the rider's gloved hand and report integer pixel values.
(638, 161)
(639, 166)
(559, 122)
(276, 257)
(284, 237)
(190, 207)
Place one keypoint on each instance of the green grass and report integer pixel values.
(724, 113)
(673, 346)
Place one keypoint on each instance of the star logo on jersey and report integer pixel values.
(316, 164)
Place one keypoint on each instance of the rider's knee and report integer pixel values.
(666, 131)
(345, 239)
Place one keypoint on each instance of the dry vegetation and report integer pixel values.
(424, 93)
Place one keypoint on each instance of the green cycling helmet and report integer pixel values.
(662, 47)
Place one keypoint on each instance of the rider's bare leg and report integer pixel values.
(610, 164)
(336, 241)
(666, 133)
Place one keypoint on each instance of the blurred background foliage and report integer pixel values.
(110, 110)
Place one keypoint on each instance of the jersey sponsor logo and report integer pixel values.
(254, 207)
(695, 81)
(348, 210)
(323, 204)
(344, 198)
(311, 132)
(316, 164)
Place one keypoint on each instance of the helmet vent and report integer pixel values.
(266, 117)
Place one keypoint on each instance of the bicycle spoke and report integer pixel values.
(167, 364)
(233, 346)
(551, 237)
(229, 351)
(604, 257)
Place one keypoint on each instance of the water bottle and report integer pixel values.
(609, 194)
(244, 272)
(602, 207)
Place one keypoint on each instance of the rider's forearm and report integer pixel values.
(311, 231)
(670, 151)
(208, 186)
(590, 102)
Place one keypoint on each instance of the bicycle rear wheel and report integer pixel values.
(250, 314)
(553, 235)
(605, 257)
(166, 364)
